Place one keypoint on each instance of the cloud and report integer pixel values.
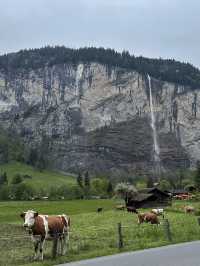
(153, 28)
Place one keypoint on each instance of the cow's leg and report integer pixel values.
(42, 247)
(36, 242)
(36, 245)
(64, 243)
(59, 246)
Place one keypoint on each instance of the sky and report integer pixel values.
(152, 28)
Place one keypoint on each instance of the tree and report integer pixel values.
(87, 180)
(150, 182)
(164, 184)
(124, 190)
(4, 192)
(79, 180)
(32, 157)
(17, 179)
(110, 188)
(197, 176)
(181, 178)
(3, 179)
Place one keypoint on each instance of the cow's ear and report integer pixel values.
(22, 214)
(35, 214)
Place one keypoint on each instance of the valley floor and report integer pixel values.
(92, 234)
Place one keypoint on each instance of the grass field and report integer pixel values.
(40, 180)
(92, 234)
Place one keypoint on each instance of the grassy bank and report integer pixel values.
(40, 179)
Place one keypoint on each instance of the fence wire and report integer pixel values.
(17, 248)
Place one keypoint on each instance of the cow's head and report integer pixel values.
(29, 218)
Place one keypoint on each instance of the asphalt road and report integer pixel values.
(186, 254)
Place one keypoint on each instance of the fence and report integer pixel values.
(17, 249)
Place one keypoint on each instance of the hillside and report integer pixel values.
(89, 110)
(37, 183)
(162, 69)
(40, 179)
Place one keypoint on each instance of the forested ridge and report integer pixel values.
(163, 69)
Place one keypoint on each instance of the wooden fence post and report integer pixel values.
(55, 246)
(120, 237)
(167, 230)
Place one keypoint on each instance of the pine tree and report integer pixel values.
(197, 176)
(150, 182)
(3, 179)
(87, 180)
(110, 188)
(79, 180)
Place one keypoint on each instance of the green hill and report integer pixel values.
(37, 183)
(44, 180)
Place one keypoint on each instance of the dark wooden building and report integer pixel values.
(148, 198)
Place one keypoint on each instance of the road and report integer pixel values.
(185, 254)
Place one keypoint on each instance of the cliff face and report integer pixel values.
(98, 118)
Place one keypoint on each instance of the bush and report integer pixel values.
(21, 192)
(4, 192)
(17, 179)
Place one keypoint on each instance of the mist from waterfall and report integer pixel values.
(153, 124)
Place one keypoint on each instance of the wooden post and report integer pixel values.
(167, 230)
(55, 246)
(198, 220)
(120, 237)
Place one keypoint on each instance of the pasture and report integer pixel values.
(40, 180)
(92, 234)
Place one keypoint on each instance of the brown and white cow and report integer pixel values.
(158, 212)
(46, 227)
(148, 217)
(189, 209)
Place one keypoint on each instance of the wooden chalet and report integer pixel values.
(148, 198)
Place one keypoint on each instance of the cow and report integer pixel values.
(46, 227)
(148, 217)
(99, 209)
(189, 209)
(158, 212)
(120, 207)
(131, 209)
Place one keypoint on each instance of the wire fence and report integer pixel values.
(17, 248)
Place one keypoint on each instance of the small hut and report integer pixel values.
(149, 198)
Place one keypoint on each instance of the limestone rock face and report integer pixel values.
(98, 118)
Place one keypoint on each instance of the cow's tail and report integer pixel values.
(67, 222)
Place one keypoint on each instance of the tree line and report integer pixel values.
(162, 69)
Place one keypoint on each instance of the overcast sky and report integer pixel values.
(152, 28)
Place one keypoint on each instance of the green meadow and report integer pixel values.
(40, 179)
(92, 234)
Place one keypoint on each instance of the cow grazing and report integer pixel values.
(131, 209)
(120, 207)
(189, 209)
(99, 209)
(158, 212)
(45, 227)
(148, 217)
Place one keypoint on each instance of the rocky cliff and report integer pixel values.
(97, 117)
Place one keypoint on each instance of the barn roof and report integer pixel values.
(152, 190)
(141, 196)
(178, 191)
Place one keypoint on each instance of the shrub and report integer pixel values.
(16, 179)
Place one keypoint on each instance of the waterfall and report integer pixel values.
(153, 124)
(79, 74)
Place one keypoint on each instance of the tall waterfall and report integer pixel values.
(153, 124)
(79, 74)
